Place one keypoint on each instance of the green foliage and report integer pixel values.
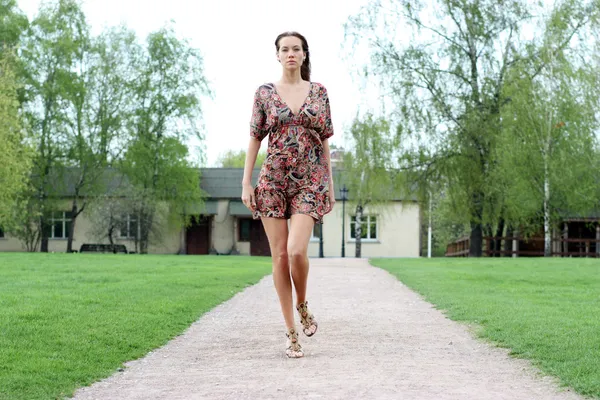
(368, 163)
(451, 76)
(237, 159)
(168, 89)
(96, 102)
(549, 150)
(12, 24)
(15, 157)
(368, 168)
(52, 50)
(166, 107)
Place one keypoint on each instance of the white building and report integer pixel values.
(223, 225)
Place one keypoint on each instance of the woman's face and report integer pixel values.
(290, 53)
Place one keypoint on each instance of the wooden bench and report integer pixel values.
(103, 248)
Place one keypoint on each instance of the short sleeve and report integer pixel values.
(328, 125)
(259, 118)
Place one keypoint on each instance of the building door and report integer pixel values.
(259, 243)
(197, 237)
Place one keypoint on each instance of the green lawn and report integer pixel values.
(544, 310)
(67, 320)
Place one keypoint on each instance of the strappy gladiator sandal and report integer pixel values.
(307, 319)
(294, 350)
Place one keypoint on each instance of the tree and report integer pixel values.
(78, 154)
(448, 83)
(12, 25)
(368, 168)
(108, 212)
(236, 159)
(15, 156)
(550, 140)
(50, 52)
(166, 107)
(97, 106)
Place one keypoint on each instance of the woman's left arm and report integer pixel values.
(331, 187)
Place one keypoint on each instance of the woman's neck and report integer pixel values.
(291, 77)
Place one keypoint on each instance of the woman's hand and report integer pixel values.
(248, 196)
(331, 197)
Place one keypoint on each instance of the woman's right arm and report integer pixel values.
(257, 134)
(247, 190)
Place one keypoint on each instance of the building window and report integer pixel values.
(316, 232)
(129, 226)
(368, 225)
(60, 224)
(244, 229)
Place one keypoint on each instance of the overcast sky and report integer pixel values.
(236, 39)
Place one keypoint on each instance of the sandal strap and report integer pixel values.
(306, 317)
(292, 335)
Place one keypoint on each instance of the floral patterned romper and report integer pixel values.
(294, 178)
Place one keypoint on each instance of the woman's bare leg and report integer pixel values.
(277, 233)
(297, 248)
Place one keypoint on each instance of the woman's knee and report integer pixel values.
(280, 257)
(296, 254)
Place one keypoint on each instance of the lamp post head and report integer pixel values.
(344, 193)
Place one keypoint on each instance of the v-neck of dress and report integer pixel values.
(286, 103)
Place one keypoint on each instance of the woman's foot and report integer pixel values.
(294, 350)
(309, 325)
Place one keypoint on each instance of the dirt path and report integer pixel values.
(376, 340)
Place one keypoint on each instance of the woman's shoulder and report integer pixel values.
(265, 87)
(319, 87)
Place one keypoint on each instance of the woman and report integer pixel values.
(295, 181)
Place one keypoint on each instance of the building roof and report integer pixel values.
(224, 183)
(217, 183)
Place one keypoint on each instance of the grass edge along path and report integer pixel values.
(543, 310)
(69, 320)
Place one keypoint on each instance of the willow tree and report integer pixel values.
(15, 155)
(98, 105)
(445, 65)
(166, 110)
(13, 23)
(50, 50)
(368, 168)
(549, 146)
(237, 158)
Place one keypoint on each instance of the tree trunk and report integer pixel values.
(358, 230)
(475, 247)
(508, 243)
(489, 244)
(145, 224)
(111, 231)
(547, 233)
(499, 233)
(44, 229)
(476, 237)
(72, 229)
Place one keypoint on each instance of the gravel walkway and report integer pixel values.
(376, 340)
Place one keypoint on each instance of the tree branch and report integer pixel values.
(437, 32)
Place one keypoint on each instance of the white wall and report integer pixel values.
(223, 235)
(398, 232)
(397, 224)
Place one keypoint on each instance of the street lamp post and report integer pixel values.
(344, 192)
(321, 240)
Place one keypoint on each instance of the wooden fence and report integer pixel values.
(571, 247)
(458, 248)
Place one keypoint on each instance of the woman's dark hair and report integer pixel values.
(305, 69)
